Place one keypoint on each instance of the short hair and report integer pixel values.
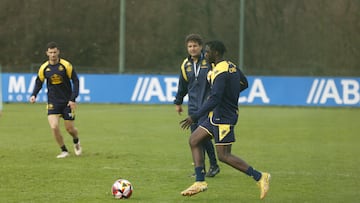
(195, 38)
(218, 46)
(52, 45)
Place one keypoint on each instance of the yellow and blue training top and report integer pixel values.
(227, 81)
(193, 82)
(58, 80)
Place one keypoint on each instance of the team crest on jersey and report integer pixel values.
(203, 64)
(61, 68)
(232, 70)
(188, 66)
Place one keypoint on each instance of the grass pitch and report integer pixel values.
(311, 154)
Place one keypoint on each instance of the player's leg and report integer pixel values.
(224, 155)
(69, 122)
(193, 128)
(262, 178)
(69, 118)
(196, 141)
(53, 120)
(224, 137)
(71, 129)
(210, 150)
(196, 145)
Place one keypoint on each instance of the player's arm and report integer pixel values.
(71, 73)
(179, 97)
(182, 86)
(38, 84)
(75, 91)
(181, 92)
(75, 81)
(214, 99)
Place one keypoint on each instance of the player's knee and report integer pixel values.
(191, 142)
(223, 157)
(54, 127)
(71, 129)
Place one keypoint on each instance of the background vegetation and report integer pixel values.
(282, 37)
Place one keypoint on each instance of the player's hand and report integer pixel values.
(32, 99)
(186, 123)
(72, 105)
(178, 109)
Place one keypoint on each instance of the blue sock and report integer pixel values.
(200, 173)
(254, 173)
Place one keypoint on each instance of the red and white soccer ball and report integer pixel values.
(122, 189)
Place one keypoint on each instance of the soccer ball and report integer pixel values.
(122, 189)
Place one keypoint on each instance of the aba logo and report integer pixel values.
(344, 91)
(155, 89)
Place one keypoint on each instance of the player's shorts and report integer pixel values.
(195, 125)
(222, 133)
(61, 109)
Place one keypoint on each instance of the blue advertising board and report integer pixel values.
(161, 89)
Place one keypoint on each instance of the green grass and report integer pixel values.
(310, 152)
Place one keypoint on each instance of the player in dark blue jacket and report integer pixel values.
(193, 82)
(227, 81)
(62, 89)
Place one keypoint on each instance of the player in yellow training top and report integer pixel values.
(227, 81)
(62, 89)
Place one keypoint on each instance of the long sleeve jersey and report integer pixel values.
(193, 82)
(58, 76)
(227, 81)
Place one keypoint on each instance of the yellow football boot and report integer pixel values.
(195, 188)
